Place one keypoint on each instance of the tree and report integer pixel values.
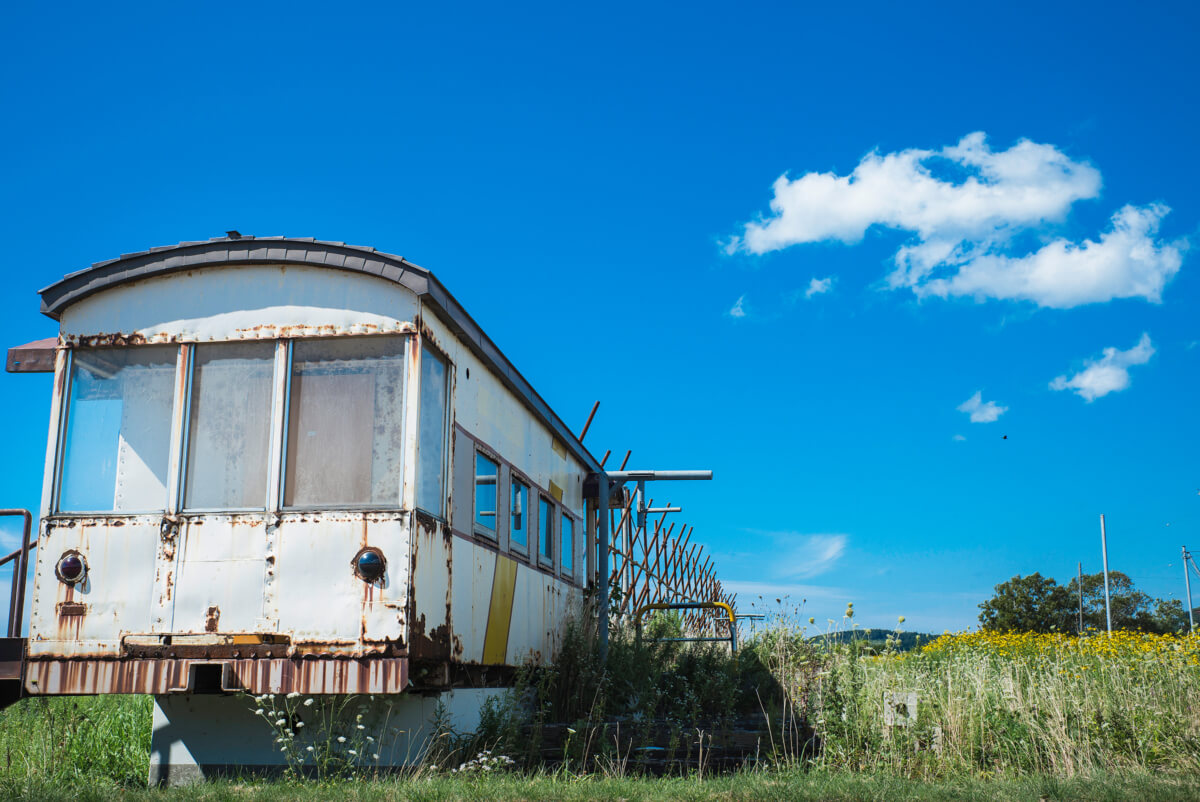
(1039, 604)
(1131, 609)
(1031, 603)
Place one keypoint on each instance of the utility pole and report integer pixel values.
(1104, 552)
(1187, 583)
(1079, 587)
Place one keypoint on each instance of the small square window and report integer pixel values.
(568, 544)
(519, 515)
(545, 528)
(486, 475)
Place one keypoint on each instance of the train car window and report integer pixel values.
(518, 527)
(229, 429)
(117, 435)
(545, 528)
(486, 476)
(345, 423)
(568, 544)
(431, 442)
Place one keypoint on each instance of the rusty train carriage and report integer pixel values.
(286, 465)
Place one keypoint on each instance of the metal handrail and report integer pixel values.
(16, 607)
(710, 605)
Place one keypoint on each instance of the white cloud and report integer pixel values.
(818, 286)
(1108, 374)
(1125, 263)
(794, 555)
(963, 205)
(981, 411)
(958, 438)
(739, 308)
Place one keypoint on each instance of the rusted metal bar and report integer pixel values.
(588, 425)
(20, 560)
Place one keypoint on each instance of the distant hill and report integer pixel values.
(876, 638)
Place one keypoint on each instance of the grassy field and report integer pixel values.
(973, 716)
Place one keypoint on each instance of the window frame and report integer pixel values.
(447, 479)
(492, 535)
(547, 560)
(186, 433)
(280, 480)
(276, 466)
(60, 445)
(565, 515)
(515, 478)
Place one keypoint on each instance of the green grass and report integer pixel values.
(788, 785)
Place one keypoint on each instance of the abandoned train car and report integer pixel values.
(284, 465)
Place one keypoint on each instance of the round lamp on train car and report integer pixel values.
(71, 568)
(369, 564)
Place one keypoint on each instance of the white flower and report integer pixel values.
(299, 724)
(341, 739)
(309, 748)
(308, 702)
(280, 722)
(259, 712)
(361, 727)
(375, 756)
(370, 740)
(351, 752)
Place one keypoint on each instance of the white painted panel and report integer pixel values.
(317, 595)
(474, 570)
(222, 565)
(117, 592)
(243, 301)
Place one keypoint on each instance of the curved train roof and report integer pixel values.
(309, 252)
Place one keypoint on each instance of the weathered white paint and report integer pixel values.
(289, 572)
(195, 737)
(244, 302)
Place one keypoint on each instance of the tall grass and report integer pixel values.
(74, 743)
(1012, 703)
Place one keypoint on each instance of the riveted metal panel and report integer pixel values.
(90, 617)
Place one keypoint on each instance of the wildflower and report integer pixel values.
(309, 748)
(299, 724)
(360, 727)
(259, 712)
(812, 620)
(375, 756)
(341, 739)
(351, 752)
(308, 702)
(293, 694)
(901, 619)
(280, 722)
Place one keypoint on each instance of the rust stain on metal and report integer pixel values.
(71, 608)
(274, 675)
(212, 619)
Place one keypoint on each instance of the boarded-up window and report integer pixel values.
(118, 430)
(345, 423)
(431, 445)
(486, 477)
(229, 431)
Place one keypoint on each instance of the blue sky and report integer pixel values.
(596, 186)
